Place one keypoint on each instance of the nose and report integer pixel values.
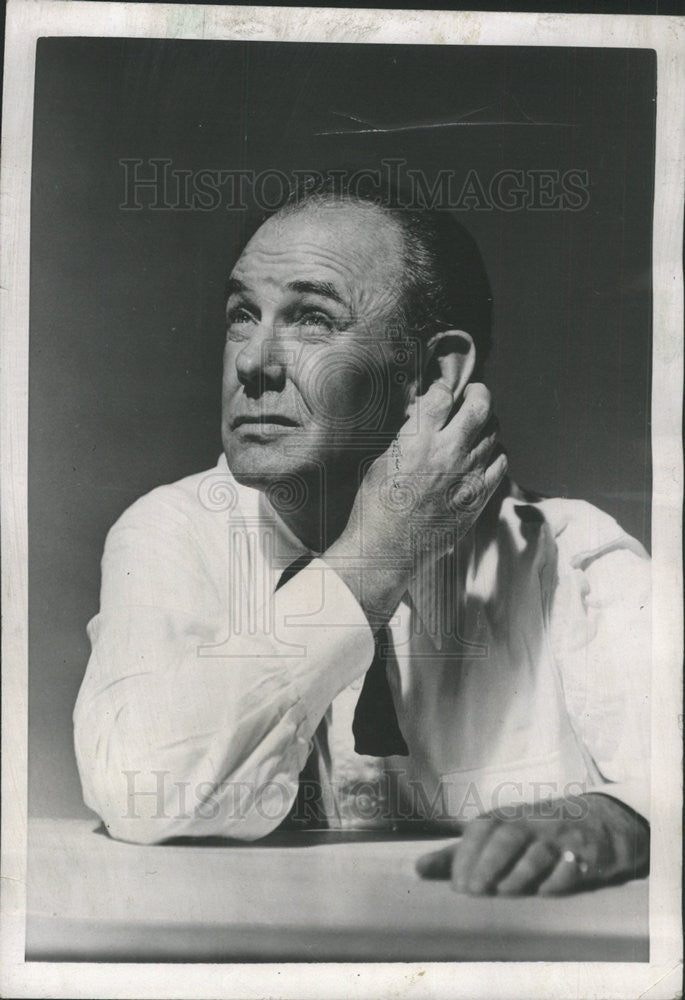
(261, 363)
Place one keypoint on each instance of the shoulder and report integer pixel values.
(170, 540)
(168, 549)
(585, 550)
(191, 503)
(580, 532)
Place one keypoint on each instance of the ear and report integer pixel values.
(450, 357)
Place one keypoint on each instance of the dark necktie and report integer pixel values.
(375, 727)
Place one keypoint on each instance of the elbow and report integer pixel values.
(144, 830)
(134, 799)
(149, 804)
(147, 794)
(155, 815)
(134, 805)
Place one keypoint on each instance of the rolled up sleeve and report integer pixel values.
(184, 729)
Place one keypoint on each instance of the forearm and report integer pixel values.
(226, 723)
(378, 589)
(151, 771)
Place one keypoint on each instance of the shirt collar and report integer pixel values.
(279, 545)
(426, 593)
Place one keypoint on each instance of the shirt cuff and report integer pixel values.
(321, 627)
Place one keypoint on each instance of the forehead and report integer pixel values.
(358, 248)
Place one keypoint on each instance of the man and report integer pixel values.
(357, 618)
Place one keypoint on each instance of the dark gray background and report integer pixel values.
(126, 307)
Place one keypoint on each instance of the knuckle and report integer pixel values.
(480, 391)
(479, 827)
(437, 397)
(434, 406)
(511, 832)
(574, 838)
(490, 441)
(504, 840)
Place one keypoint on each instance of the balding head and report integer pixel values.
(444, 284)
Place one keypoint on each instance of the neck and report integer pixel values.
(324, 512)
(315, 532)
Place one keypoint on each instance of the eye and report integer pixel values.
(312, 318)
(238, 314)
(237, 320)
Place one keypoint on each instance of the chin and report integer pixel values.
(261, 464)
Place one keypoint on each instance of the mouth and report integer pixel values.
(263, 419)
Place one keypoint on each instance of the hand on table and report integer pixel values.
(547, 848)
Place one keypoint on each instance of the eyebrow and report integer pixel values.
(323, 288)
(234, 286)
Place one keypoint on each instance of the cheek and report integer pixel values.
(231, 350)
(343, 389)
(229, 378)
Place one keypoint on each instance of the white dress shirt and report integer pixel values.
(521, 669)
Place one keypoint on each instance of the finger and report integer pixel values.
(433, 408)
(469, 494)
(534, 866)
(498, 855)
(483, 447)
(474, 412)
(496, 470)
(436, 864)
(566, 876)
(476, 833)
(491, 426)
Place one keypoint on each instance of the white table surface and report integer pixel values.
(297, 897)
